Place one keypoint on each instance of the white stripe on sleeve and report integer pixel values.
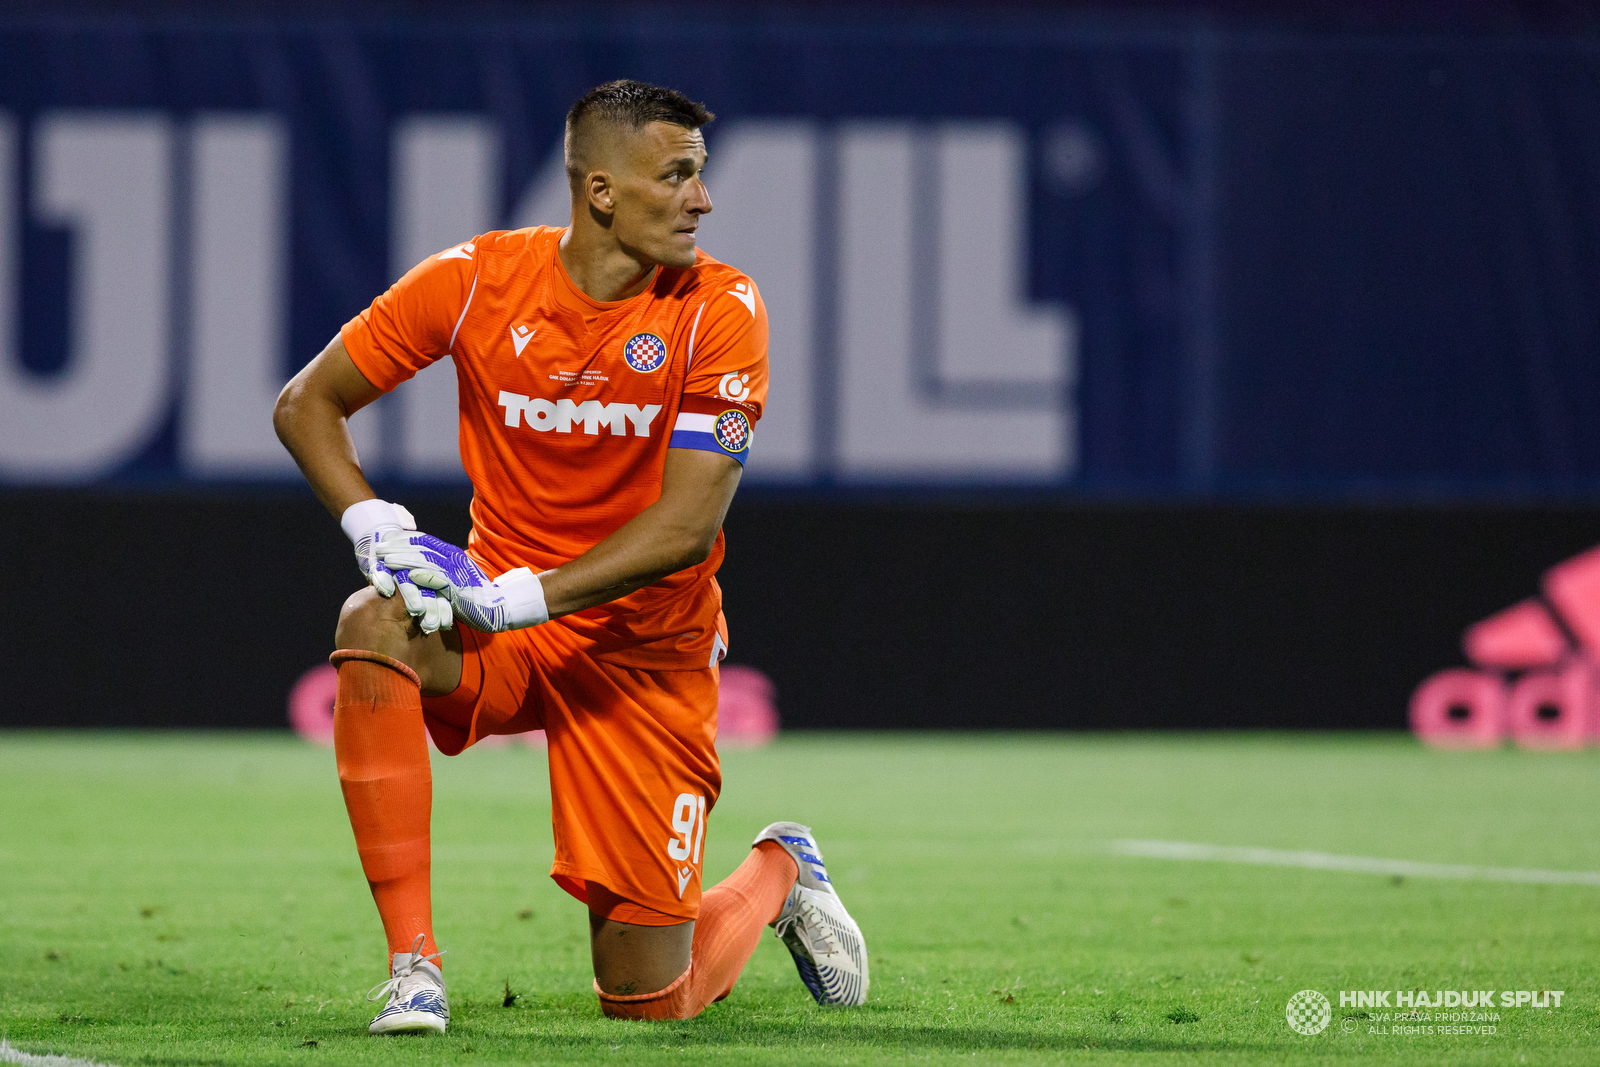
(691, 421)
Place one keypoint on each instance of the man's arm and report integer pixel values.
(311, 419)
(676, 532)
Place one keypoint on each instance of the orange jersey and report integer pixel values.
(568, 407)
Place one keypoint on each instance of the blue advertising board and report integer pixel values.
(996, 252)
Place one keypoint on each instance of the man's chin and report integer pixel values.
(678, 254)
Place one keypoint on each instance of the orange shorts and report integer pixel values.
(633, 762)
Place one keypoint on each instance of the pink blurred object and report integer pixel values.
(747, 712)
(311, 704)
(1573, 589)
(1534, 685)
(1520, 638)
(1459, 708)
(1551, 709)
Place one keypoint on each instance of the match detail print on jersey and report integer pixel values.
(728, 432)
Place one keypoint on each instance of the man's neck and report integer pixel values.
(600, 267)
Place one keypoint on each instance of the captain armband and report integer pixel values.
(728, 432)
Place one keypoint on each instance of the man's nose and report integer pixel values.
(700, 199)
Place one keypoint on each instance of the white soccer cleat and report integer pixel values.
(417, 1003)
(827, 946)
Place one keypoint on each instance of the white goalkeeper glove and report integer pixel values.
(514, 601)
(438, 580)
(510, 602)
(368, 523)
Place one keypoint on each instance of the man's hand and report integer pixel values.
(365, 523)
(511, 602)
(437, 567)
(370, 524)
(427, 571)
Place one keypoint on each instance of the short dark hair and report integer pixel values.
(633, 104)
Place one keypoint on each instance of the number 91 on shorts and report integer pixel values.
(688, 834)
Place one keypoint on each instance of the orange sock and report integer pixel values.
(381, 747)
(732, 915)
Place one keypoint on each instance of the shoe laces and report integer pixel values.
(391, 987)
(819, 935)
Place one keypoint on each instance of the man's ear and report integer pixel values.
(600, 192)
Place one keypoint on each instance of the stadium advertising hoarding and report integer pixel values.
(1038, 254)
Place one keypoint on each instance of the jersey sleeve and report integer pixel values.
(414, 322)
(726, 387)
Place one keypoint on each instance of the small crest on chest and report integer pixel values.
(645, 352)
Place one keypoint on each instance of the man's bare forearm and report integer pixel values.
(644, 551)
(676, 532)
(317, 435)
(312, 420)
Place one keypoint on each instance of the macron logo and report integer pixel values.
(746, 296)
(520, 336)
(461, 251)
(562, 415)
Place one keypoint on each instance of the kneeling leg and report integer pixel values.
(705, 956)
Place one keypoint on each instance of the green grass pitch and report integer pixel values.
(196, 899)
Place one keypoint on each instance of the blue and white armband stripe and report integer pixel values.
(728, 432)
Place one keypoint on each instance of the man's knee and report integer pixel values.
(640, 972)
(372, 623)
(677, 1001)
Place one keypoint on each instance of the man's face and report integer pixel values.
(660, 196)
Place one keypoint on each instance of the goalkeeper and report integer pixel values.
(610, 375)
